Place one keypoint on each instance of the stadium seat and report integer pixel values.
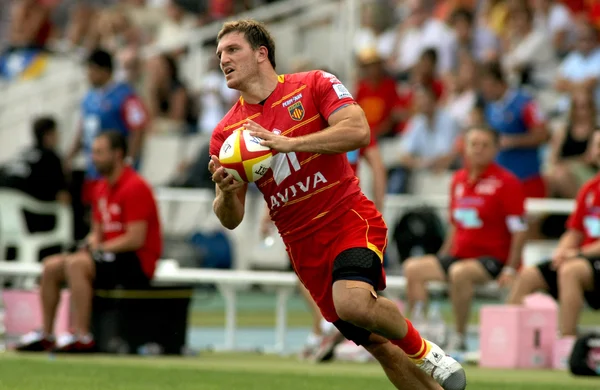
(14, 232)
(160, 157)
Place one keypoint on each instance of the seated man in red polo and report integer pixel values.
(486, 235)
(121, 249)
(572, 275)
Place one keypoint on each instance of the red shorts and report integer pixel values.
(535, 187)
(312, 257)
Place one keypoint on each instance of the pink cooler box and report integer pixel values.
(23, 312)
(518, 336)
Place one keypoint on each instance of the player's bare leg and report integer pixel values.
(418, 271)
(574, 278)
(52, 277)
(529, 281)
(80, 276)
(463, 276)
(314, 310)
(357, 303)
(399, 369)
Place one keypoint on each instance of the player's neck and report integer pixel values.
(476, 171)
(260, 88)
(115, 175)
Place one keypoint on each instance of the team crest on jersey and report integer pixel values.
(296, 111)
(459, 190)
(589, 200)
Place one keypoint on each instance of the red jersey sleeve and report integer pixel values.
(134, 113)
(575, 220)
(138, 204)
(513, 204)
(532, 115)
(329, 94)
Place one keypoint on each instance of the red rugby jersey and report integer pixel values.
(129, 200)
(304, 191)
(586, 217)
(485, 211)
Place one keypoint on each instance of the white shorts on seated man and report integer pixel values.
(121, 250)
(486, 234)
(572, 275)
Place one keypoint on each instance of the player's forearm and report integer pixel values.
(569, 240)
(530, 140)
(349, 134)
(229, 209)
(447, 245)
(135, 143)
(591, 250)
(125, 243)
(516, 249)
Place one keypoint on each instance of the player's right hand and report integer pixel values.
(222, 178)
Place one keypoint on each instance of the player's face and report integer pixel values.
(480, 148)
(96, 76)
(491, 89)
(102, 156)
(238, 60)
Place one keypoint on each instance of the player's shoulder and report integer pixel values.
(592, 184)
(122, 91)
(460, 175)
(231, 120)
(505, 175)
(311, 77)
(136, 184)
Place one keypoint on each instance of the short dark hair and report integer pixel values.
(494, 71)
(255, 32)
(116, 140)
(461, 14)
(430, 54)
(42, 126)
(486, 129)
(102, 59)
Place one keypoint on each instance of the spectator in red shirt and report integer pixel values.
(121, 249)
(376, 93)
(486, 235)
(573, 272)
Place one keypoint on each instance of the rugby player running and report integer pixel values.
(334, 235)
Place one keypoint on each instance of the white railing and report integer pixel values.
(229, 283)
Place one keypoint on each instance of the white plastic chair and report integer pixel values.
(14, 232)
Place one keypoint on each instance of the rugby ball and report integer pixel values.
(244, 157)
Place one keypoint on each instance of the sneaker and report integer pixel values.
(35, 341)
(325, 351)
(69, 343)
(442, 368)
(456, 344)
(310, 346)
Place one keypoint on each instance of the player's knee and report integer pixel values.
(572, 271)
(459, 273)
(412, 267)
(78, 265)
(353, 307)
(53, 267)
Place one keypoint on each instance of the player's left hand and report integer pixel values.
(271, 140)
(506, 142)
(506, 279)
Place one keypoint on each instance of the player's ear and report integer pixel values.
(262, 54)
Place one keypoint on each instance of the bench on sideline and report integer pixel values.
(229, 282)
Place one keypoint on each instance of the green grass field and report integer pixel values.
(237, 371)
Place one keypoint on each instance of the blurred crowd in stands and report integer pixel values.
(426, 71)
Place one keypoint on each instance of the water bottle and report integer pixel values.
(418, 319)
(437, 326)
(150, 349)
